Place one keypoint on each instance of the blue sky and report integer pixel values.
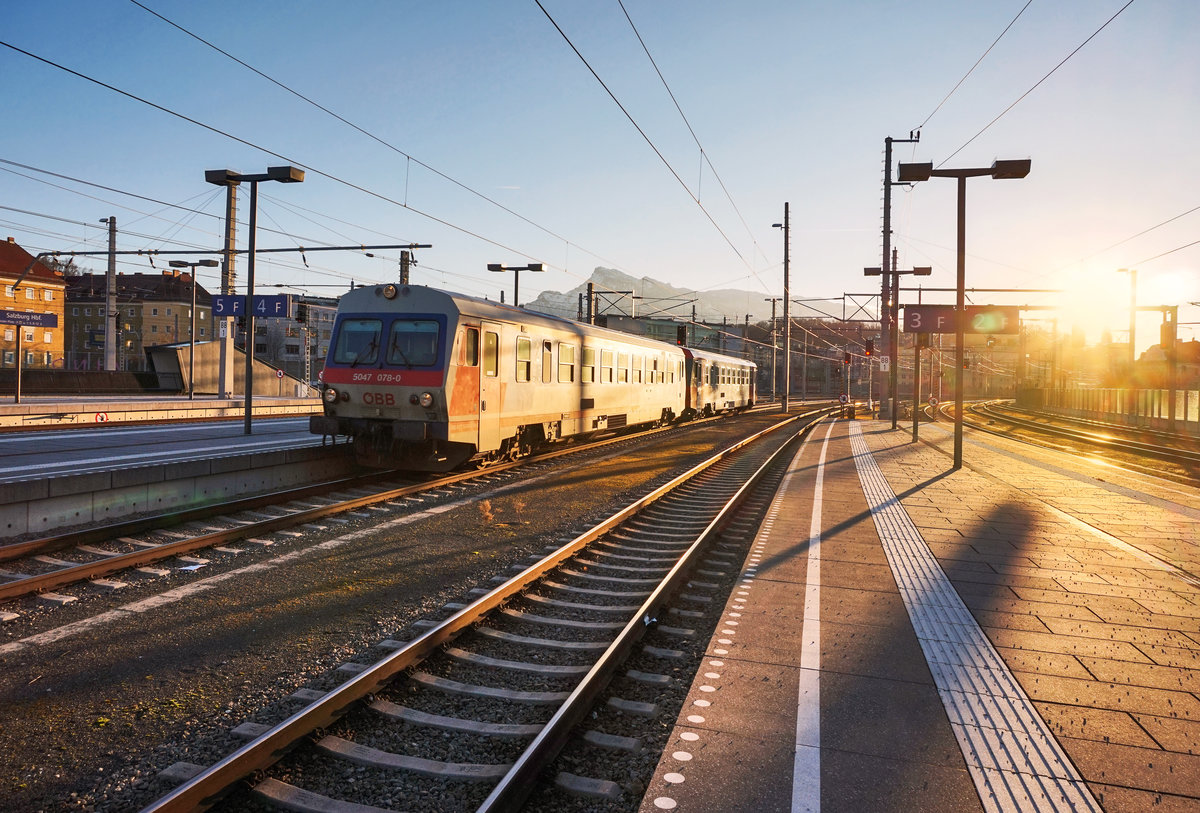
(790, 101)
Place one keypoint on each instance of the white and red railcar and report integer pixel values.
(426, 379)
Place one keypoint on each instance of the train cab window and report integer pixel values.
(413, 343)
(606, 366)
(491, 354)
(588, 372)
(547, 362)
(470, 347)
(524, 357)
(623, 368)
(566, 363)
(357, 341)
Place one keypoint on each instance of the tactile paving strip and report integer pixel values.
(1015, 762)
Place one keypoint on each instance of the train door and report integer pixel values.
(489, 388)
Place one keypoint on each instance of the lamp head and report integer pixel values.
(1011, 169)
(288, 174)
(911, 173)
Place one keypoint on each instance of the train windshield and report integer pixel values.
(413, 343)
(357, 342)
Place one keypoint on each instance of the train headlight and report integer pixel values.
(425, 400)
(330, 395)
(389, 291)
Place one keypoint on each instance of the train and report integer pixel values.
(423, 379)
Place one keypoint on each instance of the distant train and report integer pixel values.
(428, 380)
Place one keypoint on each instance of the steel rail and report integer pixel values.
(113, 564)
(1116, 444)
(511, 792)
(206, 788)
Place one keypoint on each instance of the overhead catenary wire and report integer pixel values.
(649, 141)
(1038, 83)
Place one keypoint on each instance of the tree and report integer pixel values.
(65, 266)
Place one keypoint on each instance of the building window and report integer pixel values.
(29, 334)
(30, 294)
(75, 312)
(48, 295)
(129, 312)
(260, 349)
(154, 328)
(9, 356)
(168, 311)
(154, 311)
(9, 292)
(292, 349)
(202, 331)
(48, 337)
(10, 334)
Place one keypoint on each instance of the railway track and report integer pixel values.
(472, 710)
(1130, 451)
(133, 548)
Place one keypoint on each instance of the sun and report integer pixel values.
(1094, 302)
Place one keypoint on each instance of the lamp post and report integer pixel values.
(192, 335)
(516, 269)
(787, 321)
(913, 173)
(1132, 272)
(227, 177)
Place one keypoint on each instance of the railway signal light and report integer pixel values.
(846, 359)
(681, 335)
(870, 347)
(302, 312)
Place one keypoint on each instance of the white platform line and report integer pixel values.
(806, 769)
(1014, 760)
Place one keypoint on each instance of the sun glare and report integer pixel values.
(1095, 302)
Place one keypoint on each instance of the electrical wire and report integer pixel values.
(1038, 83)
(649, 141)
(682, 115)
(976, 65)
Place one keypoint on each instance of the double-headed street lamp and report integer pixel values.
(516, 269)
(192, 336)
(229, 178)
(912, 173)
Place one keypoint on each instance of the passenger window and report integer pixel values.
(655, 378)
(623, 368)
(606, 366)
(524, 358)
(566, 363)
(491, 354)
(547, 362)
(471, 347)
(588, 373)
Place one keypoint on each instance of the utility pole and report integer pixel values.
(225, 377)
(405, 264)
(892, 328)
(774, 344)
(111, 314)
(787, 322)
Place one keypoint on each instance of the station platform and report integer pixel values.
(1020, 634)
(53, 411)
